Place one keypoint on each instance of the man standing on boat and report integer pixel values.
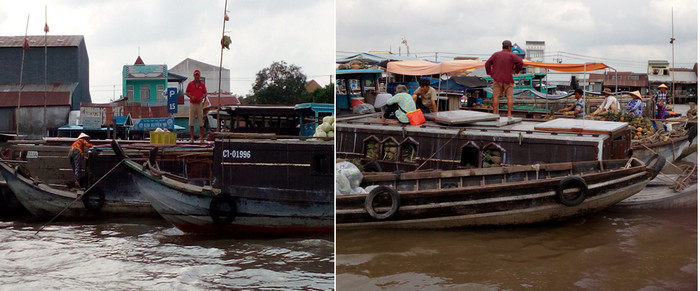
(197, 92)
(501, 66)
(77, 158)
(661, 102)
(425, 97)
(575, 109)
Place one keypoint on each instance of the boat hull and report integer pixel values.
(497, 204)
(670, 150)
(44, 201)
(187, 207)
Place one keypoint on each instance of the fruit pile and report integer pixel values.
(491, 158)
(642, 129)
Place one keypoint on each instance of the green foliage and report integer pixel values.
(279, 84)
(321, 95)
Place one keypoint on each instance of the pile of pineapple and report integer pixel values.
(641, 128)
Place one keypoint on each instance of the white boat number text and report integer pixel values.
(236, 154)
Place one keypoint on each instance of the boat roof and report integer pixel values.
(480, 123)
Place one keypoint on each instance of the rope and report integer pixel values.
(677, 185)
(78, 197)
(436, 151)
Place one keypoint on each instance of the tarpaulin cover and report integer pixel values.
(422, 67)
(567, 67)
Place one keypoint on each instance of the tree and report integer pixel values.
(279, 84)
(321, 95)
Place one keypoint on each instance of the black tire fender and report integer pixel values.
(94, 200)
(395, 202)
(654, 165)
(372, 166)
(222, 209)
(566, 183)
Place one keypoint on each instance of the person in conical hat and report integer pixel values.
(76, 154)
(635, 105)
(661, 102)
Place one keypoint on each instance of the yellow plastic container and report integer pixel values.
(163, 137)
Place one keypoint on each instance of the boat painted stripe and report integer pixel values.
(489, 200)
(267, 164)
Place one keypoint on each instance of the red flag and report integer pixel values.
(46, 27)
(25, 46)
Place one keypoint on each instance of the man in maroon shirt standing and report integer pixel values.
(197, 93)
(501, 66)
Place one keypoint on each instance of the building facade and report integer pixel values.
(54, 80)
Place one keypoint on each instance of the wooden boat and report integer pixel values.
(674, 191)
(491, 196)
(44, 200)
(462, 139)
(269, 185)
(41, 185)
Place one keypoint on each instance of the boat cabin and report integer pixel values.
(469, 139)
(351, 84)
(299, 120)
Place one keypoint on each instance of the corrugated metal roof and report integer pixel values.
(57, 94)
(38, 40)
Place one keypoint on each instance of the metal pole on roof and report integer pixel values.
(673, 61)
(221, 61)
(46, 45)
(25, 47)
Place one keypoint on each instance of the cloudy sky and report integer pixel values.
(169, 31)
(622, 34)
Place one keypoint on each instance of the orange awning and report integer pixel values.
(422, 67)
(413, 67)
(567, 67)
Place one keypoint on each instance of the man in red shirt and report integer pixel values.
(501, 66)
(197, 93)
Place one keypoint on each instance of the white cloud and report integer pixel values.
(628, 33)
(167, 32)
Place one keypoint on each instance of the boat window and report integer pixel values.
(389, 150)
(492, 156)
(371, 148)
(470, 156)
(319, 164)
(408, 152)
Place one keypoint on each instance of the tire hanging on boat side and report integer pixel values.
(94, 200)
(395, 201)
(573, 181)
(222, 209)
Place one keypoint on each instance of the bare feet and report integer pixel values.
(392, 121)
(381, 119)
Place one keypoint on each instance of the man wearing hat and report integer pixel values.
(197, 93)
(661, 102)
(609, 103)
(635, 105)
(501, 66)
(76, 156)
